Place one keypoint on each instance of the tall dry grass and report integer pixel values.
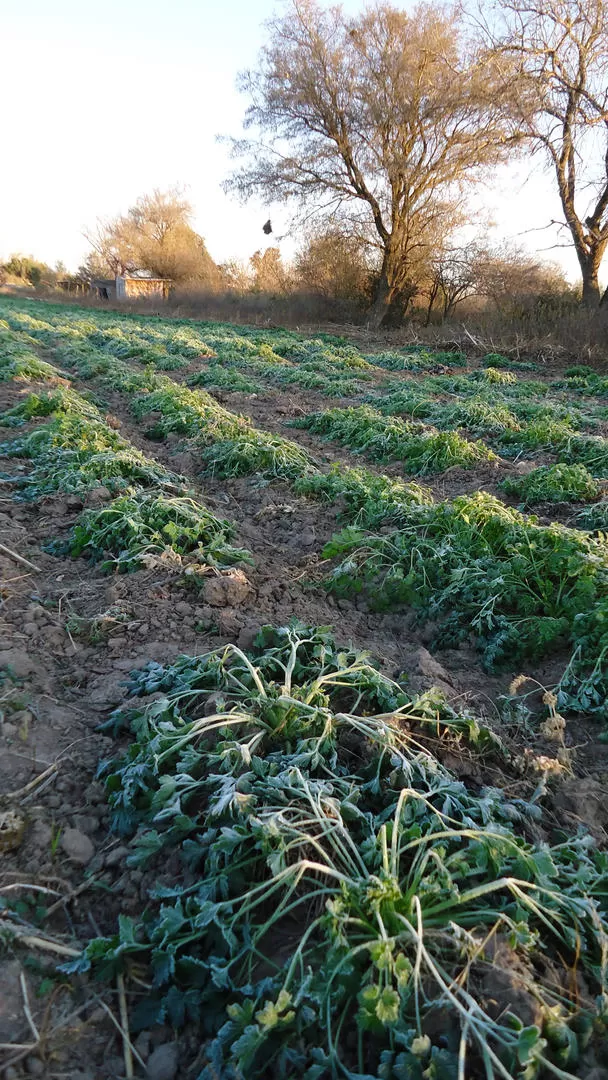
(553, 330)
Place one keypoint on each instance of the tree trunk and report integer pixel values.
(589, 263)
(391, 298)
(591, 288)
(432, 297)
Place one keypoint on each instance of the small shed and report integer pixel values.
(132, 288)
(104, 288)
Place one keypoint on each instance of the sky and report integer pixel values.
(106, 101)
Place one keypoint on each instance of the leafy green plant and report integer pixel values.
(497, 360)
(26, 366)
(218, 377)
(256, 452)
(126, 532)
(424, 450)
(338, 881)
(555, 484)
(413, 358)
(594, 518)
(494, 376)
(583, 380)
(480, 570)
(366, 499)
(186, 412)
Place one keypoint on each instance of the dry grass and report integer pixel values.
(551, 331)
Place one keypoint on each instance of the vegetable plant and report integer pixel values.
(555, 484)
(338, 884)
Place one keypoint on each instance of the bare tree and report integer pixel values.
(511, 278)
(154, 235)
(386, 117)
(557, 52)
(453, 278)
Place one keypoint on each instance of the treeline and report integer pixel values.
(24, 270)
(334, 274)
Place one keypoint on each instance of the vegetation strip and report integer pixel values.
(292, 783)
(76, 451)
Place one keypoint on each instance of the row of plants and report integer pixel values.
(525, 590)
(156, 342)
(231, 361)
(225, 444)
(381, 438)
(344, 907)
(484, 573)
(74, 450)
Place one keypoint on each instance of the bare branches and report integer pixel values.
(559, 51)
(389, 112)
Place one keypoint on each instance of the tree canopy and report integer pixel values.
(385, 118)
(557, 57)
(154, 235)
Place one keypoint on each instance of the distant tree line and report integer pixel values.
(335, 268)
(376, 130)
(25, 270)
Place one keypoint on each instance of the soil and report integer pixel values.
(69, 635)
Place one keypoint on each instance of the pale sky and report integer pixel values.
(106, 101)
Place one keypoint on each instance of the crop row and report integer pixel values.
(344, 906)
(382, 434)
(72, 449)
(477, 568)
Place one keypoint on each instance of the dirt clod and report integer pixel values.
(77, 846)
(18, 661)
(431, 668)
(163, 1063)
(227, 589)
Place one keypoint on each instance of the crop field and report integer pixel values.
(304, 706)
